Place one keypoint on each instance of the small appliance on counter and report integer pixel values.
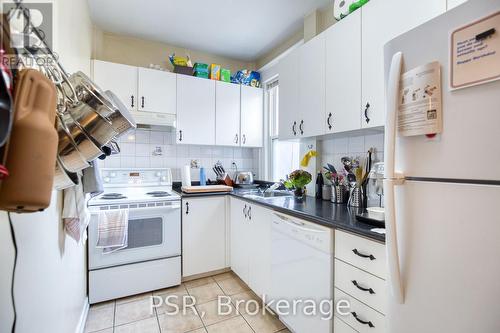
(374, 213)
(244, 179)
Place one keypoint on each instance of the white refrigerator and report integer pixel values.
(442, 194)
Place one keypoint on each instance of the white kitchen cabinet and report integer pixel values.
(288, 69)
(195, 110)
(453, 3)
(340, 327)
(156, 91)
(252, 117)
(311, 111)
(227, 111)
(381, 21)
(121, 79)
(251, 244)
(203, 235)
(240, 242)
(343, 75)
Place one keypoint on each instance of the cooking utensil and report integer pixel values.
(121, 119)
(68, 153)
(63, 178)
(85, 145)
(33, 145)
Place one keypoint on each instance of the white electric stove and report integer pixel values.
(152, 259)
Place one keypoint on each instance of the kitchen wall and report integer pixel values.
(332, 149)
(137, 149)
(140, 52)
(50, 281)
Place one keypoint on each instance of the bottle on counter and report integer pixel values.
(203, 177)
(319, 185)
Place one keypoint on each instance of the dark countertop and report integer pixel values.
(322, 212)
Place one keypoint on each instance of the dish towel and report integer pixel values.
(112, 230)
(92, 180)
(75, 214)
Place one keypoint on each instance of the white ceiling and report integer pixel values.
(238, 29)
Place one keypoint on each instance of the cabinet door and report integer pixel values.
(288, 70)
(311, 120)
(121, 79)
(240, 239)
(195, 110)
(343, 75)
(203, 235)
(227, 111)
(399, 17)
(252, 117)
(157, 91)
(260, 259)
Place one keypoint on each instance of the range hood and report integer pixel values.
(154, 118)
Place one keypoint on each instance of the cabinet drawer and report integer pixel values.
(365, 287)
(361, 317)
(340, 327)
(360, 252)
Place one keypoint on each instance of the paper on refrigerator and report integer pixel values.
(420, 106)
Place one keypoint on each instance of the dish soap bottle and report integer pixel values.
(319, 186)
(203, 177)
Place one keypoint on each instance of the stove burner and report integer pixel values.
(158, 194)
(113, 196)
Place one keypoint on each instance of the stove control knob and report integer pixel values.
(112, 174)
(163, 179)
(158, 174)
(106, 179)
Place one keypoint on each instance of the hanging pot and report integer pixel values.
(85, 145)
(121, 119)
(63, 178)
(67, 150)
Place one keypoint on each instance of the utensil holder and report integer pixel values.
(356, 197)
(339, 194)
(327, 192)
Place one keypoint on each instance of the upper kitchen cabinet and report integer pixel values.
(227, 110)
(121, 79)
(311, 112)
(157, 91)
(343, 75)
(195, 110)
(288, 69)
(252, 117)
(399, 17)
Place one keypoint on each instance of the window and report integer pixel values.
(283, 155)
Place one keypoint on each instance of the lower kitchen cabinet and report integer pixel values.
(340, 327)
(203, 235)
(251, 244)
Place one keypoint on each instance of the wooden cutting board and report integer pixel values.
(206, 189)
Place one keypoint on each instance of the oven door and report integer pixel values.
(154, 232)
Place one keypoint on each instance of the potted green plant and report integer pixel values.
(297, 182)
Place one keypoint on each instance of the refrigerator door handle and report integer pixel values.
(392, 179)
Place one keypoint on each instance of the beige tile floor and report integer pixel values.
(133, 314)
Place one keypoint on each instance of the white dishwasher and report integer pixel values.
(301, 271)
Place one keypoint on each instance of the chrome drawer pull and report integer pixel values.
(370, 256)
(370, 290)
(369, 323)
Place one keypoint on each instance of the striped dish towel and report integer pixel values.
(112, 230)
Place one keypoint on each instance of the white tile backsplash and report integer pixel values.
(333, 149)
(137, 149)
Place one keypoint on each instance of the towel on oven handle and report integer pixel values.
(112, 230)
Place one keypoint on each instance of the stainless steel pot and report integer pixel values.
(92, 108)
(85, 145)
(121, 119)
(68, 153)
(63, 178)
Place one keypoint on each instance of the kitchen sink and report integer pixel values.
(268, 195)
